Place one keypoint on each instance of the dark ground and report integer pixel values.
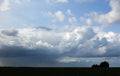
(58, 71)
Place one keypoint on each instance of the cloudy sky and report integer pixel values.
(62, 33)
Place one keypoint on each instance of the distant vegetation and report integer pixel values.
(104, 64)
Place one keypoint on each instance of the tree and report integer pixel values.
(95, 66)
(104, 64)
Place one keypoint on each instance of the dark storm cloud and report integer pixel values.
(13, 51)
(20, 56)
(19, 51)
(41, 60)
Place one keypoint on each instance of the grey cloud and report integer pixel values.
(113, 51)
(41, 60)
(44, 28)
(89, 33)
(10, 32)
(21, 56)
(12, 51)
(100, 42)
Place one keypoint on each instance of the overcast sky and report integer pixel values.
(63, 33)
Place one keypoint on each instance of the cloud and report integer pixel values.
(72, 19)
(57, 16)
(10, 32)
(5, 5)
(57, 1)
(44, 28)
(69, 12)
(89, 21)
(62, 1)
(26, 58)
(68, 60)
(13, 51)
(108, 18)
(72, 39)
(80, 59)
(63, 45)
(104, 19)
(21, 1)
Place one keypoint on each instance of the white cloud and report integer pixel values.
(72, 19)
(69, 12)
(8, 4)
(110, 17)
(102, 50)
(80, 59)
(62, 1)
(5, 5)
(106, 19)
(57, 1)
(89, 21)
(68, 59)
(57, 16)
(44, 44)
(21, 1)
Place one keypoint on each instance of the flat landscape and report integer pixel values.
(58, 71)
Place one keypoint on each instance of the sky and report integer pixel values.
(59, 33)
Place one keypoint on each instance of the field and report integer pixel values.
(57, 71)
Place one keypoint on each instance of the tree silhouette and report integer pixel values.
(95, 65)
(104, 64)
